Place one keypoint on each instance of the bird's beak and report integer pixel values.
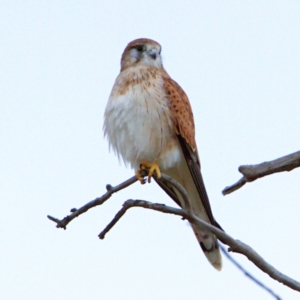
(152, 53)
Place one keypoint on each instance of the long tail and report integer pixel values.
(210, 247)
(207, 241)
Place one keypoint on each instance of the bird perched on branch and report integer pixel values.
(149, 123)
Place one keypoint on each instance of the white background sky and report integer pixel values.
(239, 63)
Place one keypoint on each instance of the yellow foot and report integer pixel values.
(151, 167)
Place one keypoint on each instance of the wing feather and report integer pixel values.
(182, 117)
(169, 189)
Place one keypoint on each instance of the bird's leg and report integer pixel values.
(152, 167)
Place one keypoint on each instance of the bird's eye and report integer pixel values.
(140, 48)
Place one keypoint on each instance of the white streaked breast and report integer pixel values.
(138, 124)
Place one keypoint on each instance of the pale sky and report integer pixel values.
(238, 62)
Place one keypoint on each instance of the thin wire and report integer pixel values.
(246, 273)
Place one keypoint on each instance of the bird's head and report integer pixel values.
(141, 52)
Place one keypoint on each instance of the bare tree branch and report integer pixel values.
(253, 172)
(98, 201)
(111, 190)
(235, 245)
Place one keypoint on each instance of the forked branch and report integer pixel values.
(234, 245)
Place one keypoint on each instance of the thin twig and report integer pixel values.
(234, 187)
(253, 172)
(98, 201)
(235, 245)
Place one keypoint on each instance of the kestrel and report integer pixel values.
(149, 123)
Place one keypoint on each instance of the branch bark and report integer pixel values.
(234, 245)
(253, 172)
(98, 201)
